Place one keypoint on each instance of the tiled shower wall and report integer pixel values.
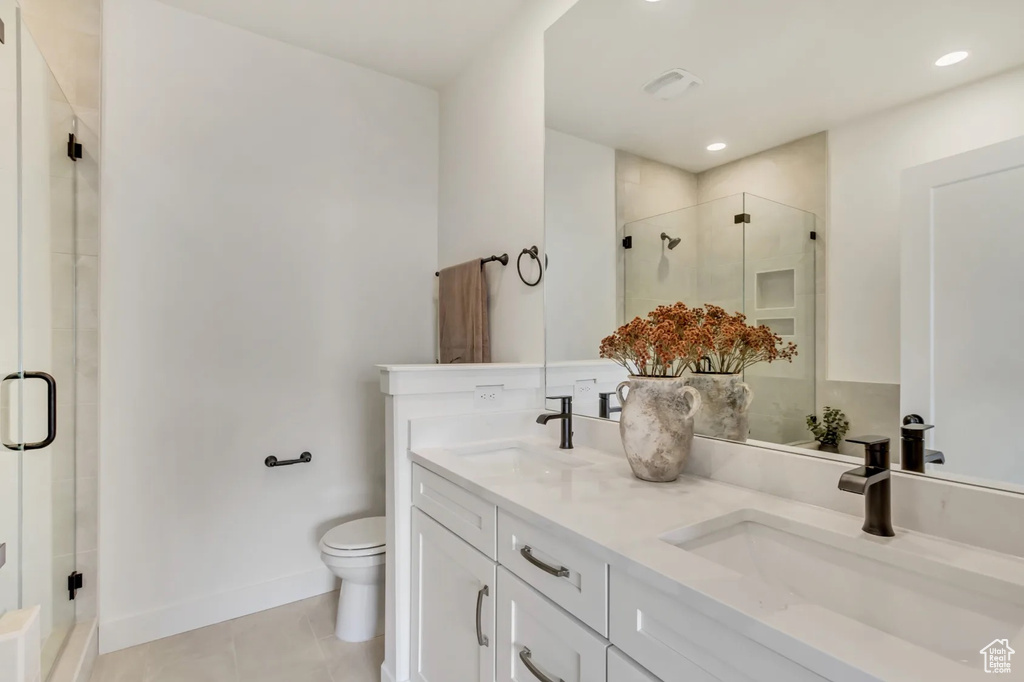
(68, 33)
(644, 188)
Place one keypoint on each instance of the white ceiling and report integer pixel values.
(423, 41)
(773, 71)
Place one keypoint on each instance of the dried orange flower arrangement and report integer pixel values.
(675, 338)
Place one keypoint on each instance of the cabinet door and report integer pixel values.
(453, 595)
(539, 642)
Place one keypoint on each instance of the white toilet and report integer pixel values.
(355, 552)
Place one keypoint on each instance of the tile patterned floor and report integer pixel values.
(292, 643)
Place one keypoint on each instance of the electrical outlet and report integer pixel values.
(585, 389)
(488, 397)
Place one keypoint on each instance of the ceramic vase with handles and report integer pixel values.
(726, 399)
(656, 425)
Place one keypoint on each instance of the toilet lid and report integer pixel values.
(358, 534)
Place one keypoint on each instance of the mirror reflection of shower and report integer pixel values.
(745, 254)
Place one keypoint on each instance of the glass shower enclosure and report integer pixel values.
(746, 254)
(37, 339)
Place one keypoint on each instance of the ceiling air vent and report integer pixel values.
(672, 84)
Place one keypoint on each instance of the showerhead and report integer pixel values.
(672, 242)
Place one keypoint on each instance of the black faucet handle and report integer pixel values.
(914, 430)
(876, 450)
(566, 404)
(869, 440)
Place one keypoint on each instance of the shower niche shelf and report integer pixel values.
(783, 326)
(776, 289)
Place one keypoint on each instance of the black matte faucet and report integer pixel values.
(913, 454)
(565, 415)
(604, 405)
(874, 482)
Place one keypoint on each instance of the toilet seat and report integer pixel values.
(358, 538)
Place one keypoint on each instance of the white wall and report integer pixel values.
(580, 291)
(267, 219)
(866, 159)
(492, 172)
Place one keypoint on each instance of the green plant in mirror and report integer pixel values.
(831, 429)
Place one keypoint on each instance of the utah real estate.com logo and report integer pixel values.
(997, 656)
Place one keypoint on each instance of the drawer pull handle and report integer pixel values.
(559, 572)
(481, 638)
(527, 658)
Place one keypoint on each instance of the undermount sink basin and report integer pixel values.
(519, 458)
(786, 564)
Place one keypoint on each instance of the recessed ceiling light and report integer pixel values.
(951, 58)
(716, 147)
(653, 0)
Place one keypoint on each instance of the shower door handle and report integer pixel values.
(51, 409)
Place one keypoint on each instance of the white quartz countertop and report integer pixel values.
(621, 519)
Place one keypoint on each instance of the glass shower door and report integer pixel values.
(10, 460)
(37, 345)
(779, 264)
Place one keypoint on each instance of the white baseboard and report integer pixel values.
(385, 674)
(146, 627)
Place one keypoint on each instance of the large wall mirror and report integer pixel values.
(847, 175)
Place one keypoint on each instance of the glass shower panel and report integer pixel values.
(780, 293)
(38, 305)
(10, 460)
(693, 255)
(720, 248)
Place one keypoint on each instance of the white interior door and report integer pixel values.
(962, 307)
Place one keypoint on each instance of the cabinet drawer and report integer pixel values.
(461, 512)
(534, 633)
(623, 669)
(570, 577)
(676, 642)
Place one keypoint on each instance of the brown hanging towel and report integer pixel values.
(462, 314)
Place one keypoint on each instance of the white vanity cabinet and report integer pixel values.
(539, 642)
(496, 598)
(453, 598)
